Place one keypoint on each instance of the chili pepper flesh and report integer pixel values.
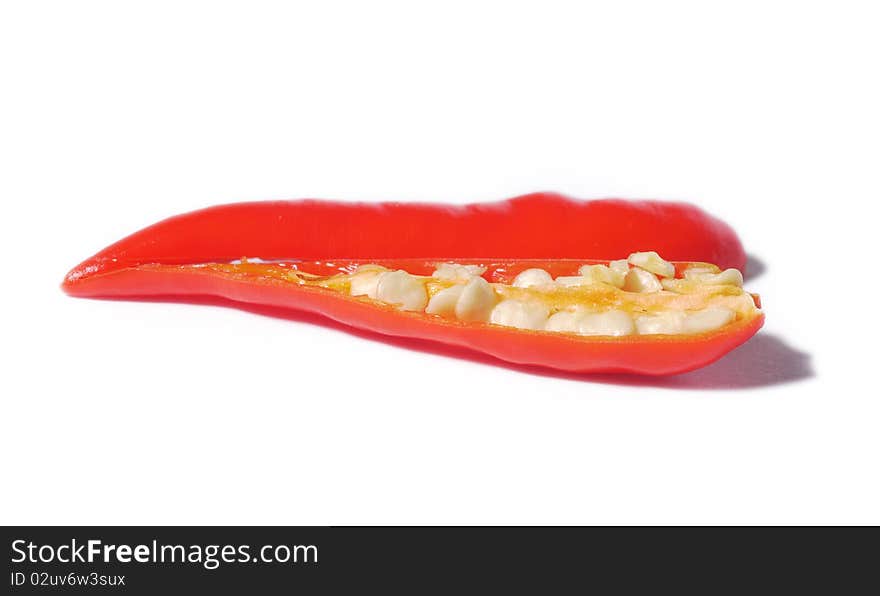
(416, 271)
(640, 295)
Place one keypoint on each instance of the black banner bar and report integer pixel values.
(269, 560)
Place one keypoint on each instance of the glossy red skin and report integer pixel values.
(541, 226)
(535, 226)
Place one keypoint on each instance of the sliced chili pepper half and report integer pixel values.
(538, 300)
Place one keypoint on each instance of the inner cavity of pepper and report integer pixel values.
(639, 295)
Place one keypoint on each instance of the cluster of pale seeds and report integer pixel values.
(532, 300)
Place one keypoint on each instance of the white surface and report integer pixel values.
(115, 115)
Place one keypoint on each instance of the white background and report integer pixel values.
(116, 114)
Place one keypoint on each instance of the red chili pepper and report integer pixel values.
(189, 255)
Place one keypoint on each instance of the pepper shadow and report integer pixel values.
(755, 268)
(763, 361)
